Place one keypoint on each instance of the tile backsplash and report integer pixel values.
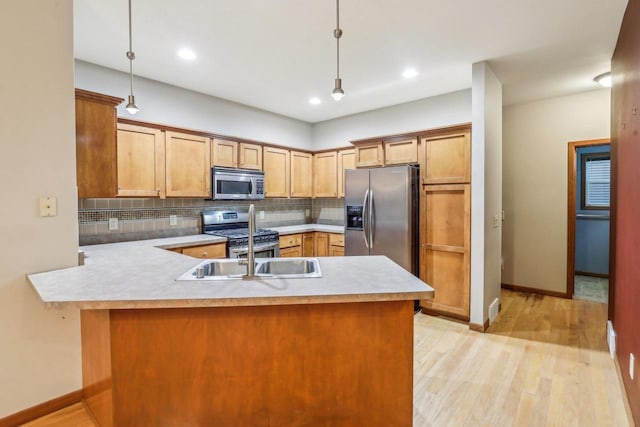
(140, 219)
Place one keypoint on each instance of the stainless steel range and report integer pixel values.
(234, 225)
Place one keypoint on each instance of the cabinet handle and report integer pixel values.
(205, 253)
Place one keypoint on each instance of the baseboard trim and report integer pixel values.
(625, 397)
(446, 315)
(586, 273)
(529, 290)
(478, 327)
(41, 409)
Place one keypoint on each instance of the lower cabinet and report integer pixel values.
(291, 245)
(321, 244)
(307, 244)
(445, 248)
(336, 244)
(215, 250)
(311, 244)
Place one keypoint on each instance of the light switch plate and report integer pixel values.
(113, 224)
(496, 221)
(261, 214)
(307, 212)
(48, 206)
(173, 219)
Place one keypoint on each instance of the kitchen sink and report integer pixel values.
(226, 269)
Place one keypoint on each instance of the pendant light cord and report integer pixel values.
(130, 53)
(337, 33)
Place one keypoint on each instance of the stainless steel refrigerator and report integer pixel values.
(381, 214)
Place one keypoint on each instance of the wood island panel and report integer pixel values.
(293, 365)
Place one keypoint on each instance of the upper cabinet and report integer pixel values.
(301, 174)
(369, 154)
(96, 122)
(447, 158)
(224, 153)
(277, 171)
(346, 160)
(188, 165)
(250, 156)
(401, 151)
(325, 174)
(140, 161)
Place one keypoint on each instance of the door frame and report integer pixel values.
(571, 207)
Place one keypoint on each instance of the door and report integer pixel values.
(277, 171)
(140, 162)
(356, 188)
(301, 174)
(392, 220)
(188, 165)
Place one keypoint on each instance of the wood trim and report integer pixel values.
(445, 248)
(415, 134)
(41, 409)
(478, 327)
(527, 289)
(586, 273)
(327, 150)
(571, 208)
(625, 396)
(98, 97)
(431, 311)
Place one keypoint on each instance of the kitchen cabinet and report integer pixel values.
(321, 244)
(188, 165)
(325, 174)
(214, 250)
(447, 158)
(369, 154)
(140, 161)
(224, 153)
(277, 171)
(336, 244)
(301, 174)
(445, 247)
(250, 156)
(291, 245)
(307, 244)
(346, 160)
(96, 122)
(401, 151)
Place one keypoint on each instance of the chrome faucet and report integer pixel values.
(251, 255)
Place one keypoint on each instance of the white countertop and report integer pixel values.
(142, 275)
(303, 228)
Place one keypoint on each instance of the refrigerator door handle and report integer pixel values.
(365, 223)
(372, 219)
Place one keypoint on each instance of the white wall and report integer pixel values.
(39, 349)
(171, 105)
(486, 190)
(536, 137)
(444, 110)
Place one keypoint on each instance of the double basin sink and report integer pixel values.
(278, 268)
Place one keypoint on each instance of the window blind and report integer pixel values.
(598, 182)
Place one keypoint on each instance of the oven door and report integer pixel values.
(263, 250)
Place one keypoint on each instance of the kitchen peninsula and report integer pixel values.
(336, 350)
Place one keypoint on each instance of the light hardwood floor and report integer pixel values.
(544, 362)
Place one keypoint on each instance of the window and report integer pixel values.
(596, 180)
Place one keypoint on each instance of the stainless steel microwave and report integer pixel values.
(236, 184)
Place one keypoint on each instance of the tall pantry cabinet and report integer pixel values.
(445, 221)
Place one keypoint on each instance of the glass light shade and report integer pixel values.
(337, 93)
(131, 107)
(604, 79)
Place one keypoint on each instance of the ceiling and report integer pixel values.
(277, 54)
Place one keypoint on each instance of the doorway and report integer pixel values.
(588, 220)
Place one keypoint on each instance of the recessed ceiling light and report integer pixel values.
(604, 79)
(314, 101)
(187, 54)
(409, 73)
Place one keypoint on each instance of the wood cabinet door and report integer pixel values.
(325, 174)
(336, 250)
(321, 244)
(96, 121)
(250, 156)
(215, 250)
(293, 251)
(301, 174)
(369, 155)
(346, 160)
(336, 239)
(188, 165)
(224, 153)
(445, 247)
(401, 151)
(140, 152)
(307, 244)
(447, 158)
(277, 172)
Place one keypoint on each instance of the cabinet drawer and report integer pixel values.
(336, 251)
(292, 252)
(290, 240)
(216, 250)
(336, 239)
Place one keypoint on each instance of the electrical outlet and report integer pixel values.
(307, 213)
(173, 219)
(48, 206)
(113, 224)
(632, 364)
(261, 214)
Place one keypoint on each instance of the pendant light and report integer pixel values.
(131, 107)
(337, 93)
